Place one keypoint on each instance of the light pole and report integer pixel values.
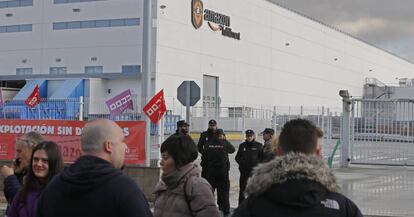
(146, 68)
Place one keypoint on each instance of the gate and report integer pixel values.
(381, 131)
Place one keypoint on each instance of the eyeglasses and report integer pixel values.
(249, 135)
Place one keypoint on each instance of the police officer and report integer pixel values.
(217, 166)
(249, 154)
(205, 138)
(268, 153)
(182, 128)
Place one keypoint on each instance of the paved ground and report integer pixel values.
(377, 190)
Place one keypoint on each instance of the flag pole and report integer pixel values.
(160, 132)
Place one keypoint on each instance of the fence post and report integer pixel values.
(274, 119)
(243, 120)
(346, 111)
(81, 108)
(329, 126)
(301, 111)
(322, 126)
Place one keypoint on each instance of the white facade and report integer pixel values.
(261, 69)
(44, 47)
(282, 58)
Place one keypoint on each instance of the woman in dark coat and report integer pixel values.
(46, 161)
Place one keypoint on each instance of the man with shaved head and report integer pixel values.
(94, 185)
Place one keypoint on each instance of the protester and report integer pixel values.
(298, 183)
(217, 166)
(46, 162)
(182, 128)
(14, 175)
(268, 152)
(205, 140)
(249, 154)
(181, 191)
(275, 145)
(94, 185)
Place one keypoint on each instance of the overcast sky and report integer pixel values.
(388, 24)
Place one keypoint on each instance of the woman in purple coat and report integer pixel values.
(46, 162)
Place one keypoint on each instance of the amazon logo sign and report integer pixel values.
(216, 21)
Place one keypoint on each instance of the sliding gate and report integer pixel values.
(381, 131)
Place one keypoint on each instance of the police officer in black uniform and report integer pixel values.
(249, 154)
(205, 138)
(217, 166)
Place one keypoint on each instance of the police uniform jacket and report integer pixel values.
(249, 155)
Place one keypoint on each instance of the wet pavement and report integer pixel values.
(377, 190)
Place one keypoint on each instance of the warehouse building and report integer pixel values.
(240, 52)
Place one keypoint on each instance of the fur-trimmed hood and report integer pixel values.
(291, 167)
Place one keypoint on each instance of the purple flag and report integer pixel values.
(120, 102)
(1, 99)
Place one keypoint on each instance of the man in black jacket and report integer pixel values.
(182, 128)
(297, 183)
(249, 154)
(94, 185)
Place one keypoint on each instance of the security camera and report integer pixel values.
(344, 93)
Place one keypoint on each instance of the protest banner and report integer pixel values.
(67, 135)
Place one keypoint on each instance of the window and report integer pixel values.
(24, 71)
(57, 70)
(101, 23)
(12, 4)
(96, 23)
(24, 3)
(58, 26)
(73, 1)
(16, 28)
(131, 69)
(74, 25)
(117, 22)
(132, 22)
(93, 69)
(12, 28)
(16, 3)
(88, 24)
(25, 28)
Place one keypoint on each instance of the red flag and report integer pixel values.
(34, 98)
(156, 108)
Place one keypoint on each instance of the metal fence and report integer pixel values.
(382, 132)
(79, 109)
(238, 119)
(56, 109)
(234, 118)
